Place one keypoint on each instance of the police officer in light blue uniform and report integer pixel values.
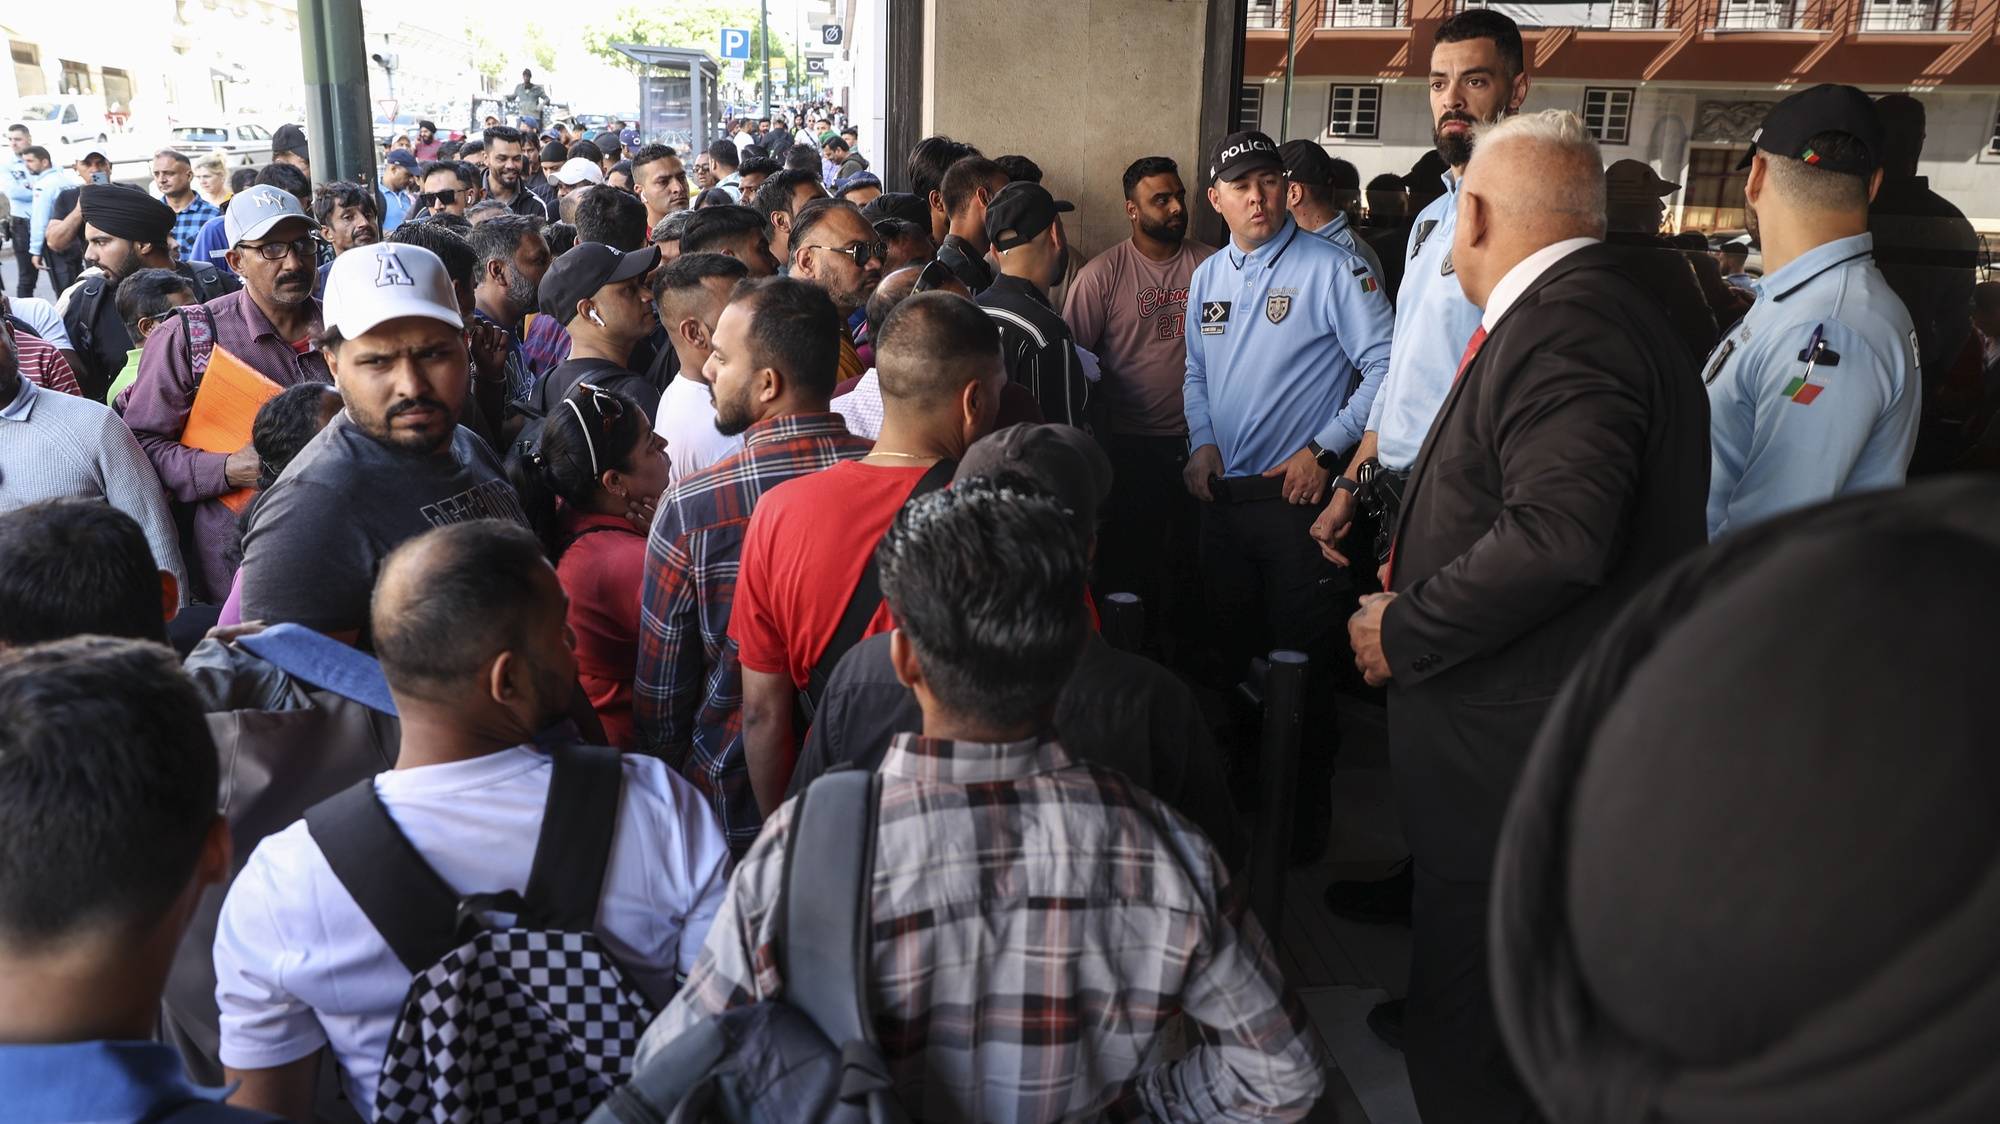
(1287, 339)
(1814, 393)
(1313, 182)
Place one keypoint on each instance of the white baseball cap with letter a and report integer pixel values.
(369, 285)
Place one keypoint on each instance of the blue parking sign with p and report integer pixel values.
(736, 42)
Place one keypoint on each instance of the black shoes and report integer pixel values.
(1384, 901)
(1386, 1020)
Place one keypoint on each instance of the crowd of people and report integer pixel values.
(518, 544)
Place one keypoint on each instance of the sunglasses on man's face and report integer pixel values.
(443, 198)
(861, 252)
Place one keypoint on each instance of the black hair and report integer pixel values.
(469, 175)
(475, 601)
(803, 157)
(930, 159)
(561, 237)
(287, 179)
(689, 270)
(817, 211)
(929, 344)
(1146, 166)
(1020, 169)
(39, 153)
(724, 153)
(554, 152)
(762, 166)
(433, 167)
(650, 154)
(1344, 176)
(242, 179)
(964, 179)
(68, 567)
(775, 194)
(750, 153)
(558, 467)
(898, 205)
(284, 423)
(794, 329)
(143, 296)
(714, 197)
(107, 788)
(450, 150)
(838, 144)
(615, 218)
(1389, 181)
(503, 133)
(342, 193)
(499, 238)
(1485, 23)
(712, 226)
(441, 236)
(470, 147)
(623, 167)
(987, 583)
(586, 150)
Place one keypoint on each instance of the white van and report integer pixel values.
(64, 119)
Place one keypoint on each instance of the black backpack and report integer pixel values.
(517, 1011)
(811, 1055)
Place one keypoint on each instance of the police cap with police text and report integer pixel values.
(1240, 154)
(1791, 125)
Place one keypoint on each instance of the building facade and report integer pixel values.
(1679, 84)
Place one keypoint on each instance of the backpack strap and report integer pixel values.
(825, 941)
(863, 602)
(200, 337)
(408, 903)
(575, 843)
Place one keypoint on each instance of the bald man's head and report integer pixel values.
(932, 345)
(453, 600)
(890, 293)
(1534, 180)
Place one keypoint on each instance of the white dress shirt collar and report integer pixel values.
(1524, 274)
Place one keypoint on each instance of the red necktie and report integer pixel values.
(1471, 350)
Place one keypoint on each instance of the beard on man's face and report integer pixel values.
(1170, 231)
(1454, 145)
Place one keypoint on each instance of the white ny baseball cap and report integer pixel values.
(256, 209)
(369, 285)
(578, 170)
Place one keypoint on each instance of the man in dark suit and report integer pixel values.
(1567, 466)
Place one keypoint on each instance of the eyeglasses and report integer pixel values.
(861, 252)
(936, 275)
(307, 248)
(608, 409)
(443, 198)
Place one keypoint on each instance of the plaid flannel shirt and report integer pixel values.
(687, 695)
(544, 345)
(1039, 924)
(189, 221)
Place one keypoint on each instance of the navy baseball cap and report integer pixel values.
(1791, 125)
(1239, 154)
(402, 156)
(858, 179)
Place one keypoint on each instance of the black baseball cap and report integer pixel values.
(1239, 154)
(1825, 108)
(586, 268)
(1019, 214)
(1060, 459)
(1307, 163)
(288, 138)
(898, 205)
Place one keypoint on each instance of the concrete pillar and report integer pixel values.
(1082, 87)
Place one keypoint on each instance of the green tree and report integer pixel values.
(696, 25)
(540, 49)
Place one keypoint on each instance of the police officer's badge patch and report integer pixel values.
(1424, 229)
(1716, 361)
(1214, 317)
(1277, 306)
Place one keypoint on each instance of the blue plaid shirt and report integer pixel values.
(188, 224)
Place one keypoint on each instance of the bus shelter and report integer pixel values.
(679, 102)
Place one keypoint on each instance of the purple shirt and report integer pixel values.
(157, 412)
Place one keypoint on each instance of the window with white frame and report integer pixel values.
(1607, 113)
(1250, 107)
(1354, 112)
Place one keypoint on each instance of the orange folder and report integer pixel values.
(225, 407)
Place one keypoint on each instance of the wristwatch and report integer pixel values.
(1343, 484)
(1327, 458)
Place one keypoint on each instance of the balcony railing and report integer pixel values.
(1757, 15)
(1906, 15)
(1636, 15)
(1271, 15)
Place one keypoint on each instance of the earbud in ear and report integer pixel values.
(595, 318)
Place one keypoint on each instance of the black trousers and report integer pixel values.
(24, 284)
(1267, 586)
(1151, 537)
(1458, 1063)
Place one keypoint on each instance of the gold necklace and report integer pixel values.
(905, 456)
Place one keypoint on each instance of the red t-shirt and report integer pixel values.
(602, 571)
(809, 540)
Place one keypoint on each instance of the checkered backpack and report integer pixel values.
(517, 1012)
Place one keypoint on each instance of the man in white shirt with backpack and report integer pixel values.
(324, 943)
